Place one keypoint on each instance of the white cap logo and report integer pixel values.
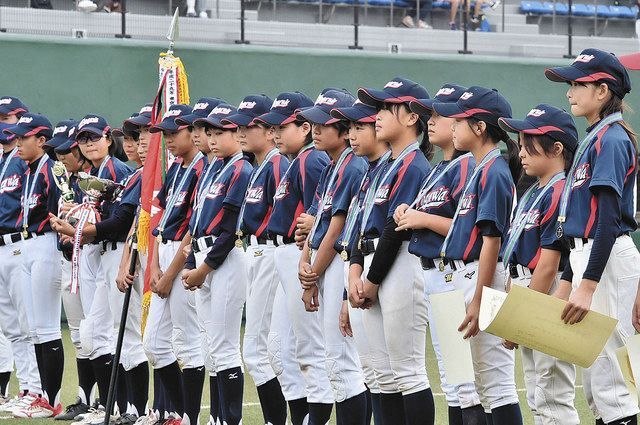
(72, 131)
(536, 112)
(25, 120)
(5, 101)
(172, 113)
(393, 85)
(445, 91)
(584, 58)
(86, 121)
(247, 105)
(220, 111)
(321, 100)
(199, 106)
(145, 109)
(466, 95)
(60, 129)
(280, 103)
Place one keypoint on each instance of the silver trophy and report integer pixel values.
(61, 179)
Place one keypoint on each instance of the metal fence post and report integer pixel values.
(569, 54)
(123, 20)
(242, 37)
(465, 22)
(356, 24)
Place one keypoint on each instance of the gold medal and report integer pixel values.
(239, 234)
(25, 233)
(159, 237)
(441, 265)
(239, 243)
(344, 255)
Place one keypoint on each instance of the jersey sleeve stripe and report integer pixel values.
(592, 216)
(401, 172)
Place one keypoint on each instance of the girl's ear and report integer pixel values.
(480, 127)
(306, 127)
(40, 141)
(558, 149)
(602, 92)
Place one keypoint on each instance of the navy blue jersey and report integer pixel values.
(337, 200)
(177, 222)
(610, 161)
(400, 187)
(259, 204)
(43, 200)
(116, 171)
(296, 191)
(540, 230)
(489, 198)
(372, 171)
(227, 189)
(11, 192)
(441, 200)
(132, 189)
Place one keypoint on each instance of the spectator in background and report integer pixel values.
(191, 8)
(477, 11)
(425, 14)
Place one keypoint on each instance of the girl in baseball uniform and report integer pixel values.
(388, 279)
(429, 216)
(213, 262)
(533, 253)
(362, 139)
(321, 270)
(472, 244)
(596, 215)
(41, 267)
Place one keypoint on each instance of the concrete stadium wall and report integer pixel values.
(68, 78)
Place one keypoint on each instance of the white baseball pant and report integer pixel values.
(41, 288)
(550, 382)
(603, 384)
(172, 331)
(342, 361)
(282, 349)
(461, 395)
(361, 341)
(306, 327)
(227, 286)
(492, 363)
(261, 291)
(15, 325)
(96, 338)
(397, 326)
(132, 353)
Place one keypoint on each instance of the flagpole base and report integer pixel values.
(242, 42)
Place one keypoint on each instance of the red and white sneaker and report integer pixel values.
(40, 408)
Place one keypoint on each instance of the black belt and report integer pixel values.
(513, 271)
(109, 246)
(32, 235)
(14, 237)
(274, 238)
(430, 263)
(452, 263)
(367, 246)
(208, 242)
(572, 243)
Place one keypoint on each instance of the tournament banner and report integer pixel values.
(173, 89)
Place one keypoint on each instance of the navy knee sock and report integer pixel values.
(102, 372)
(137, 380)
(4, 382)
(392, 408)
(352, 411)
(419, 408)
(299, 409)
(122, 396)
(86, 380)
(158, 395)
(231, 385)
(192, 384)
(473, 415)
(171, 377)
(319, 413)
(507, 415)
(629, 420)
(375, 409)
(274, 406)
(455, 415)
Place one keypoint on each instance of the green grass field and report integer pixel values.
(252, 413)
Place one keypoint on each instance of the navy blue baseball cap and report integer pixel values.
(217, 115)
(143, 119)
(285, 108)
(10, 105)
(200, 110)
(5, 138)
(70, 143)
(168, 122)
(93, 124)
(398, 90)
(31, 124)
(61, 133)
(545, 119)
(449, 93)
(358, 112)
(328, 99)
(594, 66)
(251, 107)
(130, 132)
(479, 102)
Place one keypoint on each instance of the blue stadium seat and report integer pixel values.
(441, 5)
(561, 8)
(605, 12)
(547, 8)
(396, 3)
(532, 7)
(582, 10)
(621, 12)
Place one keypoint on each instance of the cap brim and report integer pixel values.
(275, 118)
(513, 125)
(562, 74)
(66, 147)
(452, 110)
(118, 132)
(55, 142)
(238, 119)
(215, 122)
(422, 106)
(93, 130)
(315, 115)
(22, 131)
(132, 124)
(11, 111)
(170, 126)
(187, 119)
(351, 114)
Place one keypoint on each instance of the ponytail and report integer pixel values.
(496, 134)
(425, 144)
(616, 104)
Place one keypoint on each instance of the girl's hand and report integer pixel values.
(411, 219)
(470, 322)
(308, 277)
(356, 292)
(399, 212)
(370, 294)
(310, 299)
(345, 323)
(509, 345)
(579, 302)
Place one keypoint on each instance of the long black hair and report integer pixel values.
(116, 148)
(496, 134)
(421, 128)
